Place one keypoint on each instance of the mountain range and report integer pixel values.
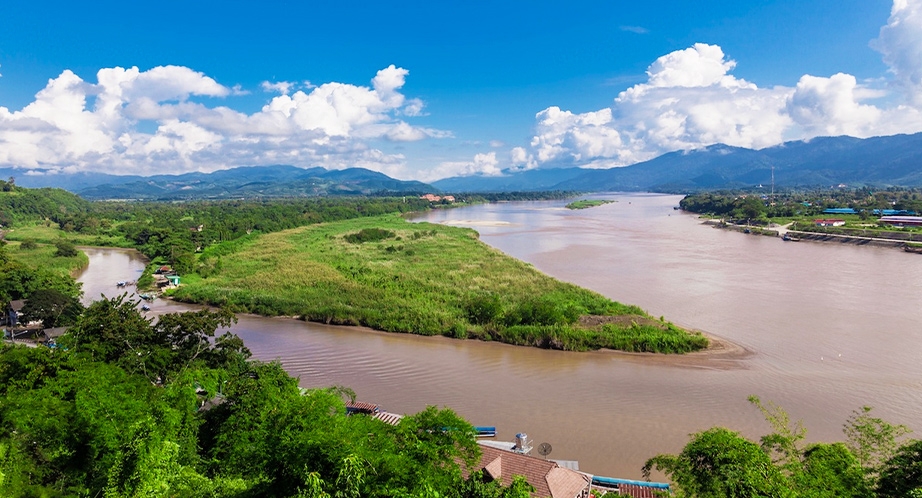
(235, 183)
(824, 161)
(819, 162)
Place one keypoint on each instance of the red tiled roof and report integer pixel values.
(636, 491)
(361, 406)
(549, 479)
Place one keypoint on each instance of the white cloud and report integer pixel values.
(76, 125)
(483, 164)
(634, 29)
(828, 106)
(282, 87)
(900, 43)
(690, 100)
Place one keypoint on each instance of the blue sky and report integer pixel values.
(424, 90)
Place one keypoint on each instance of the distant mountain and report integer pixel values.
(72, 182)
(243, 182)
(826, 161)
(530, 180)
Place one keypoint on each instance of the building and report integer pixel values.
(436, 198)
(901, 221)
(549, 479)
(829, 223)
(13, 312)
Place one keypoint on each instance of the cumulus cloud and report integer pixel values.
(106, 126)
(483, 164)
(900, 43)
(690, 100)
(282, 87)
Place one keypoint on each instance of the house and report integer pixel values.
(829, 223)
(549, 479)
(13, 312)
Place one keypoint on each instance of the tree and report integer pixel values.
(719, 463)
(901, 475)
(52, 307)
(831, 471)
(872, 440)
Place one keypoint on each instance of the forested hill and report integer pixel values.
(826, 161)
(237, 183)
(17, 203)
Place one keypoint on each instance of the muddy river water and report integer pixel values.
(827, 327)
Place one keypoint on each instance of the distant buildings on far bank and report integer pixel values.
(436, 198)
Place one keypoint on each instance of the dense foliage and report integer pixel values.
(19, 204)
(873, 461)
(388, 274)
(129, 407)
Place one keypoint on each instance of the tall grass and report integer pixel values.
(392, 275)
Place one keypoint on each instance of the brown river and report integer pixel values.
(828, 328)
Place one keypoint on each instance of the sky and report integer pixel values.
(429, 90)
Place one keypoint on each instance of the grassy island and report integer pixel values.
(587, 203)
(392, 275)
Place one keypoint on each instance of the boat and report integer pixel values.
(788, 238)
(485, 430)
(121, 283)
(915, 249)
(145, 307)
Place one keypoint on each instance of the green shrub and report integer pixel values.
(65, 249)
(369, 235)
(484, 308)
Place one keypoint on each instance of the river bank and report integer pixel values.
(776, 231)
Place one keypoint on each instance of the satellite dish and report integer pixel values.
(544, 449)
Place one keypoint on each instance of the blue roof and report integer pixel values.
(839, 211)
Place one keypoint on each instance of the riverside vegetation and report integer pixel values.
(388, 274)
(420, 279)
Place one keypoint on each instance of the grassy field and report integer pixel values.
(43, 256)
(392, 275)
(587, 203)
(43, 233)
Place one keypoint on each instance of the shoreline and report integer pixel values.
(721, 353)
(719, 349)
(778, 230)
